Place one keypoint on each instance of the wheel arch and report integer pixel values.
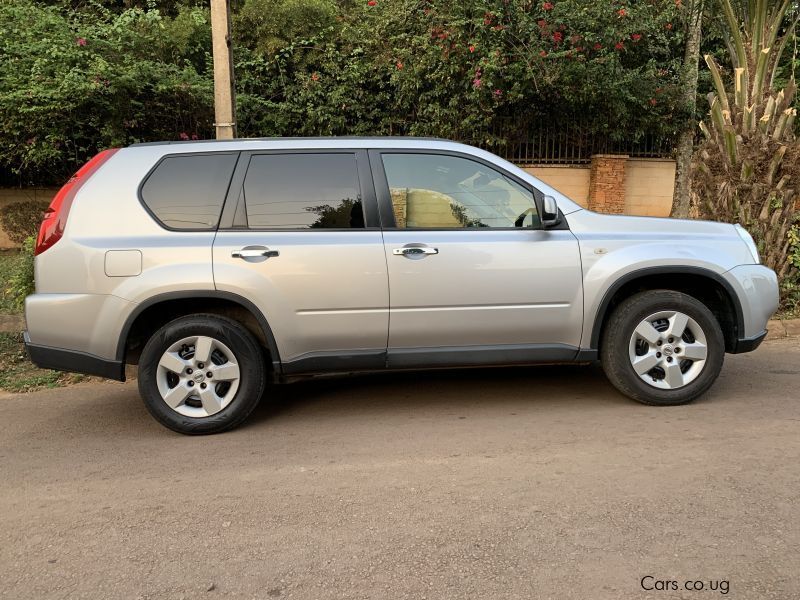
(162, 308)
(707, 286)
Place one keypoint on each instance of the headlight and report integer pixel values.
(748, 240)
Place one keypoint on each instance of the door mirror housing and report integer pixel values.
(550, 214)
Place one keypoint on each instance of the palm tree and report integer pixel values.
(748, 167)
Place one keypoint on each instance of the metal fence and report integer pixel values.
(574, 144)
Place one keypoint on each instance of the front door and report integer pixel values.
(473, 278)
(305, 247)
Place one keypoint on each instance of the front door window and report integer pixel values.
(450, 192)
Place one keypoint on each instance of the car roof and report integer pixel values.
(305, 143)
(322, 140)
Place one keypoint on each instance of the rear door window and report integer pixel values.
(188, 191)
(303, 191)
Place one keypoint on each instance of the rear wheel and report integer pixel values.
(662, 347)
(201, 374)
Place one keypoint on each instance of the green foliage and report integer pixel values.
(266, 26)
(794, 246)
(21, 220)
(76, 77)
(790, 285)
(8, 261)
(21, 277)
(16, 275)
(790, 295)
(73, 82)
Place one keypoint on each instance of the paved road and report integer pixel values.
(523, 483)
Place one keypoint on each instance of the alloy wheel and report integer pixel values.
(668, 350)
(198, 376)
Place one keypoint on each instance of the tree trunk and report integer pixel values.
(691, 59)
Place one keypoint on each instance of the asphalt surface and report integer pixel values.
(520, 483)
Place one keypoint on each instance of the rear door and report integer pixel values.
(300, 238)
(474, 279)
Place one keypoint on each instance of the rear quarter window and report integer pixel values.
(187, 192)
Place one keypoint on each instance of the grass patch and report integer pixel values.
(787, 315)
(8, 260)
(18, 374)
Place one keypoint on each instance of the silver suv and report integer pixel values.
(219, 267)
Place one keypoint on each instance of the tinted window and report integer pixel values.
(187, 192)
(430, 190)
(303, 191)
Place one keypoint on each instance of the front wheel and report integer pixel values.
(662, 347)
(201, 374)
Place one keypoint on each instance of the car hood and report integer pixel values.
(586, 221)
(651, 241)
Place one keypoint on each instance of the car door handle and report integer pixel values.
(258, 252)
(414, 251)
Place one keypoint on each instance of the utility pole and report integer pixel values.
(224, 97)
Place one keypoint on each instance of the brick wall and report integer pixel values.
(399, 205)
(607, 183)
(647, 184)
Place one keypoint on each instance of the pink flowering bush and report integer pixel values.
(467, 67)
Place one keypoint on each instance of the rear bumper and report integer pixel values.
(86, 323)
(47, 357)
(748, 344)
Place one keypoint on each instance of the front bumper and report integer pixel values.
(756, 293)
(47, 357)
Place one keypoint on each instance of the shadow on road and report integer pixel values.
(91, 409)
(461, 389)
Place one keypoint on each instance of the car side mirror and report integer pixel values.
(550, 217)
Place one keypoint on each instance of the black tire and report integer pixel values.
(615, 345)
(248, 355)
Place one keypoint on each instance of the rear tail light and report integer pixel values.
(55, 217)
